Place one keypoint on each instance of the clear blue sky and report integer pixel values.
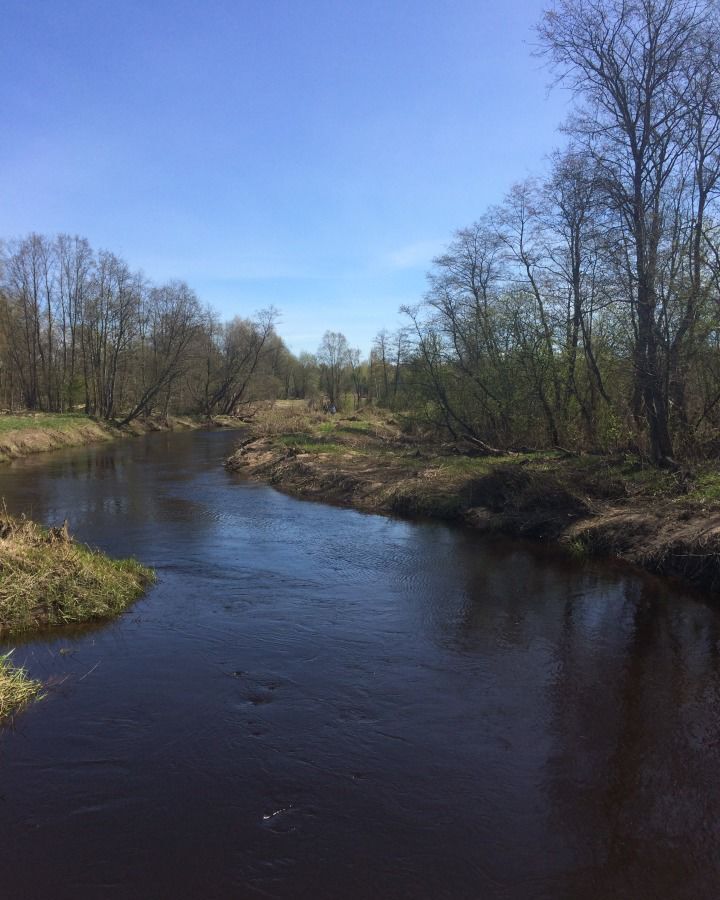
(312, 154)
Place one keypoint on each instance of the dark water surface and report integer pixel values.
(317, 703)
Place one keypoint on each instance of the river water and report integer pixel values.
(313, 702)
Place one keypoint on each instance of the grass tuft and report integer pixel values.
(48, 579)
(16, 688)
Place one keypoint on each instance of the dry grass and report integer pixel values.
(16, 688)
(669, 537)
(288, 418)
(48, 579)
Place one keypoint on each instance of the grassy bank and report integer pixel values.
(666, 522)
(47, 579)
(24, 435)
(27, 434)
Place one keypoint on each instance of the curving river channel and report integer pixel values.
(317, 703)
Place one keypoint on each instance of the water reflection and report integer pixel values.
(317, 703)
(636, 739)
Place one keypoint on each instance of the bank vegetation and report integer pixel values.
(17, 689)
(663, 520)
(30, 433)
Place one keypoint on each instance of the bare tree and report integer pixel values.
(173, 320)
(233, 360)
(332, 357)
(628, 61)
(110, 325)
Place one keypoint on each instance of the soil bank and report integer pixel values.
(666, 523)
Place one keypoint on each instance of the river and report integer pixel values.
(318, 703)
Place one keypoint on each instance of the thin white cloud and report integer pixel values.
(229, 267)
(412, 256)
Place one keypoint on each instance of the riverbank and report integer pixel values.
(48, 579)
(665, 522)
(30, 433)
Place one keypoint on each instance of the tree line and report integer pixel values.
(585, 309)
(80, 330)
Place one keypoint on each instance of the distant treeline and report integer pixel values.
(582, 312)
(79, 329)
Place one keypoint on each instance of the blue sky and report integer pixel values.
(312, 154)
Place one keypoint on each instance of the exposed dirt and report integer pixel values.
(586, 504)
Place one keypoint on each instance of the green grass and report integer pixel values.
(16, 688)
(43, 421)
(309, 444)
(707, 487)
(361, 425)
(47, 579)
(343, 425)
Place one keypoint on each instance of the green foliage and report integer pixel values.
(577, 548)
(707, 486)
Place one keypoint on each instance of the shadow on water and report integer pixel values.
(313, 702)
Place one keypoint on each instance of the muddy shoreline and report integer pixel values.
(581, 510)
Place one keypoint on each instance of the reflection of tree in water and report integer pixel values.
(507, 595)
(635, 717)
(108, 492)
